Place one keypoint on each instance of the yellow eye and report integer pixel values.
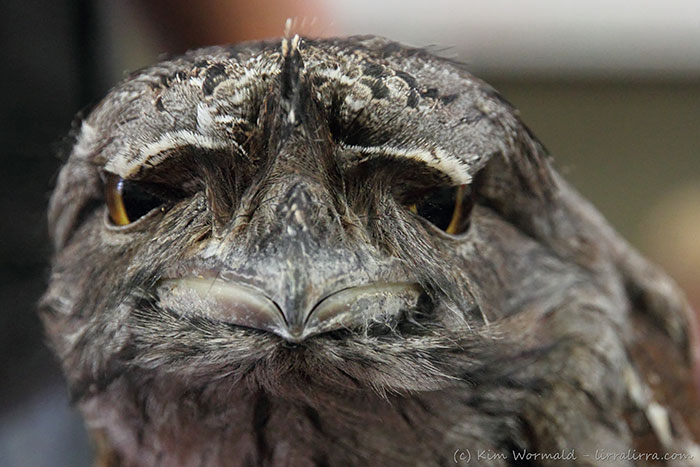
(128, 201)
(447, 208)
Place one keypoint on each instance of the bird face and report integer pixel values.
(329, 217)
(280, 199)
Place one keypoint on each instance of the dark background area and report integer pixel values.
(630, 142)
(48, 66)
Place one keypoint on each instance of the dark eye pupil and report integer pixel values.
(138, 201)
(437, 207)
(447, 208)
(128, 201)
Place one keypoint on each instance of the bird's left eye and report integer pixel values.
(128, 201)
(447, 208)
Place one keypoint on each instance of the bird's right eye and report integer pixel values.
(129, 201)
(447, 208)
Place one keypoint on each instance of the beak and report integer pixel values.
(245, 306)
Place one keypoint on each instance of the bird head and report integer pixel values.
(333, 215)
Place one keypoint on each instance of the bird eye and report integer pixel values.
(447, 208)
(128, 201)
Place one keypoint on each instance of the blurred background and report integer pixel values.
(611, 87)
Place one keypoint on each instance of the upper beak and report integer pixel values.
(244, 305)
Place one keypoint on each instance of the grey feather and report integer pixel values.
(290, 163)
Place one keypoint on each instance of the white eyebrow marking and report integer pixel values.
(154, 153)
(205, 120)
(437, 158)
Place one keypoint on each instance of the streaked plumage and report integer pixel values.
(287, 302)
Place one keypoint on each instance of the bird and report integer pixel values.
(347, 251)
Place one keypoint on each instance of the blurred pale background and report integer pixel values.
(611, 87)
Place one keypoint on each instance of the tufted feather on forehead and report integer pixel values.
(438, 115)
